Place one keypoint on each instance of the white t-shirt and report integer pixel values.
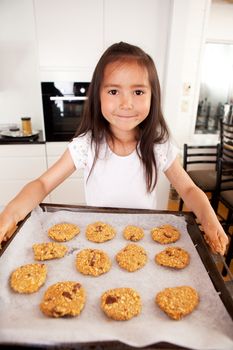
(117, 181)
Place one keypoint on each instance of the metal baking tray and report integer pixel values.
(198, 241)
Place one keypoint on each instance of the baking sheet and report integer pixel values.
(21, 321)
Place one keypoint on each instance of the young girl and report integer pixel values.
(122, 144)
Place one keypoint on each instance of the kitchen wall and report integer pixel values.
(19, 70)
(48, 39)
(88, 28)
(63, 39)
(219, 29)
(220, 21)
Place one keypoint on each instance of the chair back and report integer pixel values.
(201, 154)
(226, 137)
(224, 175)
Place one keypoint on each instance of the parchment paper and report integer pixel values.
(21, 321)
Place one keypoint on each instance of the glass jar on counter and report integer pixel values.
(26, 126)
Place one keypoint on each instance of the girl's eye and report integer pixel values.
(139, 92)
(112, 92)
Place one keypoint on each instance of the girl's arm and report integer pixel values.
(196, 200)
(33, 193)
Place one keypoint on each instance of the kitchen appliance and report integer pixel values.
(63, 104)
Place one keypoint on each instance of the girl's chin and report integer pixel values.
(124, 128)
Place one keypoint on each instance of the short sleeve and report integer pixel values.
(78, 148)
(165, 154)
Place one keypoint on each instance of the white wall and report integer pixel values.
(143, 23)
(44, 40)
(80, 30)
(187, 35)
(218, 28)
(193, 22)
(19, 70)
(220, 24)
(40, 41)
(33, 32)
(69, 38)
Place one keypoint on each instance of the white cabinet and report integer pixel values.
(142, 23)
(72, 34)
(20, 94)
(23, 163)
(69, 33)
(71, 191)
(19, 165)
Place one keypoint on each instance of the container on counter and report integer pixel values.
(26, 126)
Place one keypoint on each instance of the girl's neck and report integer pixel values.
(123, 143)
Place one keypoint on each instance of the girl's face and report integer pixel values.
(125, 96)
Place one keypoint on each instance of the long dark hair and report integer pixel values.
(151, 131)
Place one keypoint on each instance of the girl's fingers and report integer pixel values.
(5, 236)
(2, 236)
(10, 232)
(218, 244)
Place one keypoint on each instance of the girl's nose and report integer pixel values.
(126, 102)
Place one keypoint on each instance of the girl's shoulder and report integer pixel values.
(83, 139)
(79, 148)
(165, 153)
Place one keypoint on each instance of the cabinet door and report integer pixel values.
(19, 165)
(70, 32)
(71, 191)
(142, 23)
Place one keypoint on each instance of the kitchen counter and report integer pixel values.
(23, 140)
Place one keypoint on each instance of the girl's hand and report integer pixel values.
(216, 238)
(7, 227)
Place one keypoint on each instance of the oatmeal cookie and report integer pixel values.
(100, 232)
(63, 232)
(133, 233)
(121, 303)
(174, 257)
(165, 234)
(28, 278)
(178, 301)
(63, 299)
(132, 257)
(93, 262)
(47, 251)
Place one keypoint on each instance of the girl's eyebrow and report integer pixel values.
(132, 86)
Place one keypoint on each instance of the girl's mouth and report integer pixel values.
(125, 116)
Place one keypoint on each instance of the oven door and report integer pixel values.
(62, 116)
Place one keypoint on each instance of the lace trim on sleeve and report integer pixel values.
(165, 154)
(79, 150)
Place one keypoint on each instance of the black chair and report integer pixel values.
(224, 194)
(224, 185)
(226, 138)
(194, 163)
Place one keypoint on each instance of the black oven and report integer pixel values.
(62, 108)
